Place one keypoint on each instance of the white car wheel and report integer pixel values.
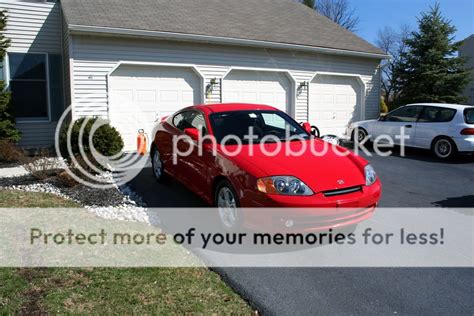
(444, 148)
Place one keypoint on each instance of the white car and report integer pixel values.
(446, 129)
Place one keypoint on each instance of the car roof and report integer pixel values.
(444, 105)
(230, 107)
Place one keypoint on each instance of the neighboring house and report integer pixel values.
(135, 61)
(467, 50)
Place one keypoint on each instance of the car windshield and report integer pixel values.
(255, 127)
(469, 115)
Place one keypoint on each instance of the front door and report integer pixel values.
(400, 120)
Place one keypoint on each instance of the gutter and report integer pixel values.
(100, 30)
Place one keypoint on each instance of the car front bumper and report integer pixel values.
(309, 213)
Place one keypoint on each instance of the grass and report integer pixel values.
(9, 198)
(109, 290)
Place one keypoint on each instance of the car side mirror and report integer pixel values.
(383, 117)
(193, 133)
(307, 127)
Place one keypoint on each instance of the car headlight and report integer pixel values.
(284, 185)
(370, 175)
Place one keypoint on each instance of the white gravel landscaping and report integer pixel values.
(118, 203)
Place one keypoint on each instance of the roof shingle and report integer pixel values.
(279, 21)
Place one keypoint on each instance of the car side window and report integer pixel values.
(404, 114)
(178, 120)
(197, 121)
(190, 119)
(431, 114)
(469, 116)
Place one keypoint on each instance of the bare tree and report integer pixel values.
(338, 11)
(393, 43)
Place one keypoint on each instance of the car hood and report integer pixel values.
(359, 123)
(330, 171)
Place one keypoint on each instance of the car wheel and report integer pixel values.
(157, 165)
(359, 135)
(227, 203)
(444, 148)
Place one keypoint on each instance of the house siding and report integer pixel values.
(34, 27)
(95, 57)
(467, 50)
(66, 64)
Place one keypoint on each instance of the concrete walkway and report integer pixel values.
(12, 172)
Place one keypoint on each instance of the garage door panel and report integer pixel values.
(139, 95)
(244, 86)
(334, 102)
(249, 97)
(187, 96)
(169, 96)
(122, 99)
(268, 98)
(146, 96)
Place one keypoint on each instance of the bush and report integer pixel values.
(42, 166)
(67, 180)
(8, 131)
(383, 106)
(7, 123)
(9, 153)
(106, 139)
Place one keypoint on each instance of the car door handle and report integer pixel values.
(408, 126)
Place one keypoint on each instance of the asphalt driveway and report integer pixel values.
(416, 180)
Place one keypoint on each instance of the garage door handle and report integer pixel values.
(408, 126)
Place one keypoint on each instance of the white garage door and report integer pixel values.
(261, 87)
(141, 94)
(334, 102)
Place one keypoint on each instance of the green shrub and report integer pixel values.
(8, 131)
(106, 139)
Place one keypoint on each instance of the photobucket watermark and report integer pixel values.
(290, 145)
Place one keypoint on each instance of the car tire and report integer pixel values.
(157, 165)
(444, 148)
(227, 203)
(359, 134)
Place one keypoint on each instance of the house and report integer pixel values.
(136, 61)
(467, 50)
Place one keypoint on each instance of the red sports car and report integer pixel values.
(208, 149)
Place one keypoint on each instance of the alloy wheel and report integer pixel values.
(443, 148)
(157, 165)
(227, 206)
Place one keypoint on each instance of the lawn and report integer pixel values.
(109, 290)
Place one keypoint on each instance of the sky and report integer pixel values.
(376, 14)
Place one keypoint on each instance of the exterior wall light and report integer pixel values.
(302, 85)
(210, 87)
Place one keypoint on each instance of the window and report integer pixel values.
(469, 115)
(197, 121)
(274, 120)
(29, 85)
(190, 119)
(177, 119)
(433, 114)
(262, 123)
(404, 114)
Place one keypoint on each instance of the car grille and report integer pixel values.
(342, 191)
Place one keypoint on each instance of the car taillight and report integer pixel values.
(467, 131)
